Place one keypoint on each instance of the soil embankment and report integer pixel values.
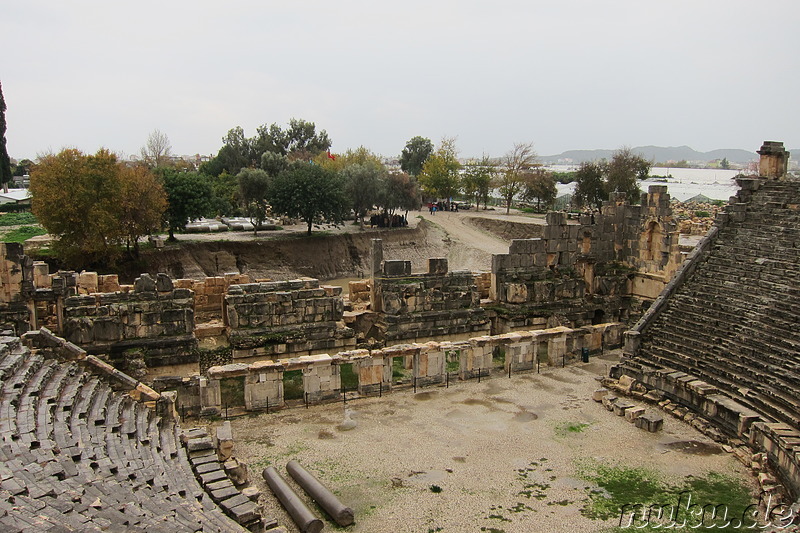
(319, 256)
(466, 240)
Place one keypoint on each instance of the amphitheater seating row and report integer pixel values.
(76, 455)
(734, 322)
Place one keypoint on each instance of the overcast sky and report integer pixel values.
(563, 74)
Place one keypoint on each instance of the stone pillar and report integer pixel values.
(210, 397)
(632, 341)
(321, 377)
(372, 371)
(376, 257)
(376, 271)
(41, 275)
(263, 386)
(774, 162)
(429, 364)
(477, 358)
(557, 349)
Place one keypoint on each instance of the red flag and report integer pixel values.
(331, 156)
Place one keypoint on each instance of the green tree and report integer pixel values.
(92, 204)
(590, 186)
(309, 192)
(189, 196)
(724, 164)
(439, 177)
(299, 141)
(478, 178)
(237, 152)
(273, 163)
(399, 190)
(542, 188)
(414, 155)
(225, 198)
(254, 191)
(23, 167)
(362, 186)
(519, 164)
(5, 161)
(624, 171)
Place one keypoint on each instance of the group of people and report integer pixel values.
(385, 220)
(442, 206)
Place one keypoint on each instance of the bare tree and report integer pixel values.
(158, 150)
(519, 164)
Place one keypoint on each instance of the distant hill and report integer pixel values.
(660, 153)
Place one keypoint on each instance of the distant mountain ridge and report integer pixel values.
(661, 154)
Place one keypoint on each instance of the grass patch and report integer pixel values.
(23, 234)
(637, 496)
(567, 428)
(17, 219)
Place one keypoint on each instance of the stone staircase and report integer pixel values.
(76, 455)
(734, 323)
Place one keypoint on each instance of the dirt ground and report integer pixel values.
(503, 455)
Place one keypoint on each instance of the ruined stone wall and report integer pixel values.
(264, 386)
(16, 288)
(279, 317)
(585, 271)
(433, 304)
(154, 316)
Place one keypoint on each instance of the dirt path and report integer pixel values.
(470, 247)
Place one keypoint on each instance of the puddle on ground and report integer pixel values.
(497, 399)
(455, 413)
(423, 396)
(525, 416)
(692, 447)
(476, 401)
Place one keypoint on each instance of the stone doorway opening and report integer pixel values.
(293, 385)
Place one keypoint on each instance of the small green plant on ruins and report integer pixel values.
(643, 499)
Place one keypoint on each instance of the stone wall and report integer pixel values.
(263, 380)
(154, 316)
(434, 304)
(285, 317)
(583, 272)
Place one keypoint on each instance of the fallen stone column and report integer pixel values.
(302, 516)
(319, 493)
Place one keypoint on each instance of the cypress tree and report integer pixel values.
(5, 162)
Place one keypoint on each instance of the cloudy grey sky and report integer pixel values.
(563, 74)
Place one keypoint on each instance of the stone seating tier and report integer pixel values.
(77, 456)
(733, 323)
